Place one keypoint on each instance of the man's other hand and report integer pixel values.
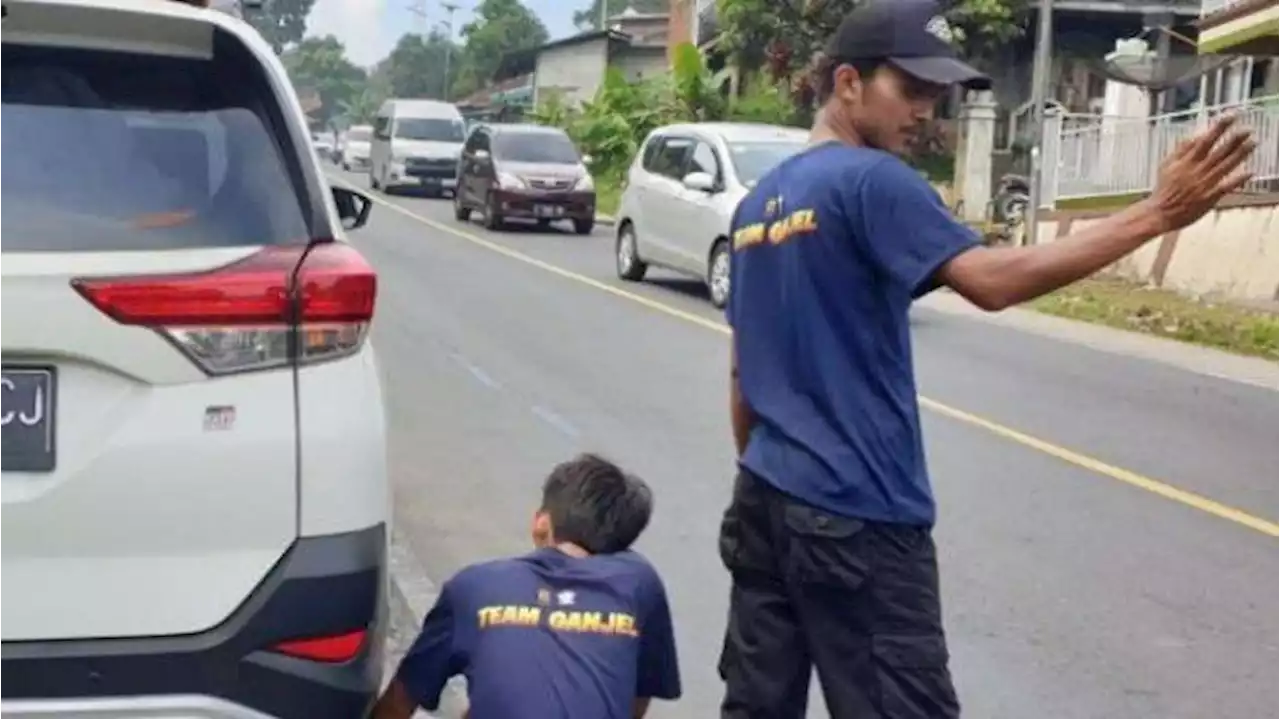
(1201, 171)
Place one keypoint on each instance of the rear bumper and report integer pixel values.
(323, 586)
(524, 204)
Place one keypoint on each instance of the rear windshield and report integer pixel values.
(752, 160)
(119, 151)
(435, 130)
(548, 147)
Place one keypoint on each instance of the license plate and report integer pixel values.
(548, 210)
(27, 419)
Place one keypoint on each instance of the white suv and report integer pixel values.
(195, 495)
(682, 190)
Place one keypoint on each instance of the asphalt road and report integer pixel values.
(1071, 588)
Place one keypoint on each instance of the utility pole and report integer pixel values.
(604, 14)
(449, 9)
(1039, 91)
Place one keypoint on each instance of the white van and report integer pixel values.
(416, 143)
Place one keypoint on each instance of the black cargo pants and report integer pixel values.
(858, 600)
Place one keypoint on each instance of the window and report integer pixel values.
(671, 157)
(429, 129)
(127, 151)
(650, 152)
(704, 160)
(543, 147)
(751, 160)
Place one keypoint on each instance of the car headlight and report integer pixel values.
(585, 183)
(508, 181)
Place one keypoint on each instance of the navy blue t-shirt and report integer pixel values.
(550, 636)
(830, 249)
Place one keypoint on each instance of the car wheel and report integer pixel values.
(718, 274)
(630, 266)
(461, 212)
(492, 218)
(583, 227)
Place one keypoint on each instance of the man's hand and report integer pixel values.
(1200, 172)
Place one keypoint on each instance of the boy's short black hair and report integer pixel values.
(594, 504)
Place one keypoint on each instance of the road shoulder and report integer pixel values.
(1188, 357)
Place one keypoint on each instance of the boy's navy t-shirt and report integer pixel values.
(830, 249)
(550, 636)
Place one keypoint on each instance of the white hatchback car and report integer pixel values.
(195, 495)
(682, 190)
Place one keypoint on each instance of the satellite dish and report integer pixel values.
(1133, 62)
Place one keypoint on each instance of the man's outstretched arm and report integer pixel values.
(1192, 180)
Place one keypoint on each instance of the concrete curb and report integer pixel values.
(607, 220)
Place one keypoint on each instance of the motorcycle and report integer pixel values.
(1013, 192)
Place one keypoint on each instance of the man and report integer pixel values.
(828, 535)
(578, 628)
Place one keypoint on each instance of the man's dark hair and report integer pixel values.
(594, 504)
(824, 73)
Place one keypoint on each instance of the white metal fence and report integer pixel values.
(1121, 156)
(1210, 6)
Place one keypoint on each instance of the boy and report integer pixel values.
(577, 628)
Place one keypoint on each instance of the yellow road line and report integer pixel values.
(1190, 499)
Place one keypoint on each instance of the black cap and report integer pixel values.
(912, 35)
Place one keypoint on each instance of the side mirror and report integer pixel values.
(700, 181)
(481, 155)
(353, 207)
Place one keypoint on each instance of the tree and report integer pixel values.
(416, 66)
(281, 22)
(784, 36)
(499, 27)
(589, 17)
(320, 63)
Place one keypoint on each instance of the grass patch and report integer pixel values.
(608, 195)
(1124, 305)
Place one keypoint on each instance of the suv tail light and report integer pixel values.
(334, 650)
(241, 317)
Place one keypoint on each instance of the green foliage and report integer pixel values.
(589, 17)
(612, 125)
(782, 37)
(499, 27)
(321, 65)
(416, 66)
(281, 22)
(763, 102)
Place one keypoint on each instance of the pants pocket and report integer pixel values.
(825, 549)
(914, 681)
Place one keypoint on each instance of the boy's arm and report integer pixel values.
(658, 674)
(427, 666)
(395, 703)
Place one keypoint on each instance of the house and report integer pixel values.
(1239, 27)
(573, 68)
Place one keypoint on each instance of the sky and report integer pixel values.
(370, 28)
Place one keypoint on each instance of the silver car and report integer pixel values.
(682, 190)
